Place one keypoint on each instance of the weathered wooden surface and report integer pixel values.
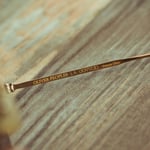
(106, 110)
(32, 32)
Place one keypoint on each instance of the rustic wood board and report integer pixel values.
(106, 110)
(36, 31)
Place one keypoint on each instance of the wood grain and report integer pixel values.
(106, 110)
(37, 29)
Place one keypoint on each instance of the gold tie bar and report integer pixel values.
(12, 87)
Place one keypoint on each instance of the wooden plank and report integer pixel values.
(37, 29)
(106, 110)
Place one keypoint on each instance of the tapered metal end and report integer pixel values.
(9, 87)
